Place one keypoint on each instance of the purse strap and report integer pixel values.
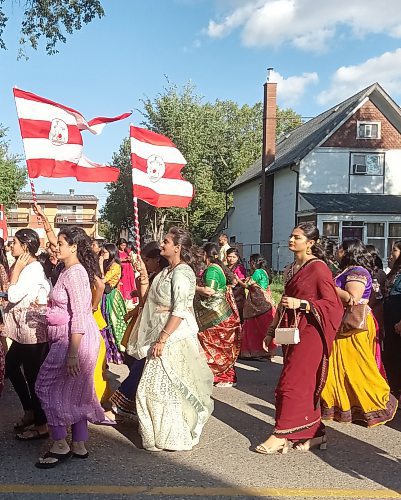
(282, 315)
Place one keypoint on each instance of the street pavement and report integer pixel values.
(359, 463)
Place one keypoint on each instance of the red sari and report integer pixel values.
(304, 373)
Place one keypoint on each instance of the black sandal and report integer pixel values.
(78, 455)
(60, 457)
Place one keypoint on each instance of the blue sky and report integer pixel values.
(322, 52)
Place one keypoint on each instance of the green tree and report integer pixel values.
(12, 177)
(51, 19)
(219, 140)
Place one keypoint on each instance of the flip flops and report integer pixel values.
(60, 457)
(35, 434)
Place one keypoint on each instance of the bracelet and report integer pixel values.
(166, 332)
(144, 282)
(160, 342)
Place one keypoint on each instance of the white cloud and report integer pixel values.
(291, 89)
(347, 80)
(307, 24)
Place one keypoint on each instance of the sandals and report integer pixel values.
(59, 457)
(265, 450)
(23, 423)
(35, 434)
(78, 455)
(308, 444)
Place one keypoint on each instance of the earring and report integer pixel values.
(308, 251)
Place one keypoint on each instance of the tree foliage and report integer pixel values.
(51, 19)
(219, 140)
(12, 177)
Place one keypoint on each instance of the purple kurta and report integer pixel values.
(65, 399)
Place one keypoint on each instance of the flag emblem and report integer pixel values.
(58, 134)
(156, 168)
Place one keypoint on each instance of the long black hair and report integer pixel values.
(374, 252)
(355, 254)
(212, 251)
(3, 257)
(75, 235)
(397, 263)
(30, 239)
(152, 251)
(311, 233)
(113, 256)
(260, 263)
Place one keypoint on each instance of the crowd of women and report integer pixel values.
(180, 316)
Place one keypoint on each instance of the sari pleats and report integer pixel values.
(355, 390)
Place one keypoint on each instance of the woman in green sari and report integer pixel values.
(218, 318)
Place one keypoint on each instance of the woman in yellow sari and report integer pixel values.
(355, 390)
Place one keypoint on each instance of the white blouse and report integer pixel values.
(30, 282)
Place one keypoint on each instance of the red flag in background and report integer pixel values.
(52, 139)
(156, 170)
(3, 224)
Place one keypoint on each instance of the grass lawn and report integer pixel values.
(277, 287)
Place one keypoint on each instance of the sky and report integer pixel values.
(322, 52)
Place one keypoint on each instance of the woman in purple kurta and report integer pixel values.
(65, 382)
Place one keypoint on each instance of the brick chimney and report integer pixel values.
(268, 156)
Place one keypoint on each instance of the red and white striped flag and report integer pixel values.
(52, 139)
(156, 170)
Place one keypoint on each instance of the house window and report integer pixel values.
(368, 130)
(394, 234)
(367, 164)
(376, 236)
(260, 199)
(331, 230)
(232, 239)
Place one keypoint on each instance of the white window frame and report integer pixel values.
(356, 165)
(368, 126)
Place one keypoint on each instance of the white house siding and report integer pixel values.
(326, 170)
(244, 223)
(392, 184)
(284, 204)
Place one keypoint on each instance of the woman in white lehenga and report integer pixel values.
(173, 400)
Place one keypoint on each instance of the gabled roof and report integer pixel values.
(354, 203)
(53, 197)
(294, 146)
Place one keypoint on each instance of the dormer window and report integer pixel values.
(368, 130)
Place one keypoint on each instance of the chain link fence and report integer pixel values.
(276, 254)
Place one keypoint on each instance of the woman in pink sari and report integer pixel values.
(311, 295)
(127, 282)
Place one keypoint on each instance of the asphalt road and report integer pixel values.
(359, 463)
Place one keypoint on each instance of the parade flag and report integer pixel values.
(156, 170)
(53, 143)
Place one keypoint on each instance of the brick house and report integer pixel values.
(342, 170)
(60, 209)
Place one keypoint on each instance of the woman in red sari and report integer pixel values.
(311, 295)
